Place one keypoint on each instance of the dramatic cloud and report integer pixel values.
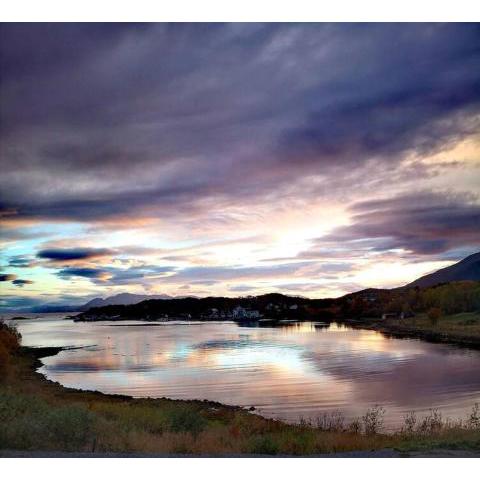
(65, 254)
(425, 223)
(216, 158)
(265, 103)
(115, 276)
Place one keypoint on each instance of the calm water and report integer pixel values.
(298, 369)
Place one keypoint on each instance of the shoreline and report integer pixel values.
(410, 332)
(124, 426)
(37, 353)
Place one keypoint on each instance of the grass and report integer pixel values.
(462, 324)
(32, 423)
(45, 418)
(36, 414)
(461, 328)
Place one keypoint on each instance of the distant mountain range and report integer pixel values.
(121, 299)
(466, 269)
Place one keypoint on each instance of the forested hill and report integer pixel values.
(273, 305)
(452, 297)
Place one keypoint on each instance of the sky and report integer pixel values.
(234, 159)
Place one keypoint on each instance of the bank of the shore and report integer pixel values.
(39, 415)
(462, 329)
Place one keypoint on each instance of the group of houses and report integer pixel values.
(238, 313)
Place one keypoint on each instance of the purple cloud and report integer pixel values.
(266, 103)
(423, 223)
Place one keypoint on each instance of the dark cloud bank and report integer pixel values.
(115, 120)
(420, 223)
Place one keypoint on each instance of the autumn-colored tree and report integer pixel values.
(9, 342)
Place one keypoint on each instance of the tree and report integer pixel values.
(434, 314)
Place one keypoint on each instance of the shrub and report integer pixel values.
(264, 446)
(474, 417)
(135, 417)
(186, 419)
(9, 343)
(29, 422)
(4, 362)
(301, 443)
(9, 337)
(409, 423)
(70, 426)
(432, 423)
(373, 420)
(304, 422)
(355, 426)
(331, 422)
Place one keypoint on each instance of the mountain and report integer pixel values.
(466, 269)
(121, 299)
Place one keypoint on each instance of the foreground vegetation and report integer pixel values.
(39, 415)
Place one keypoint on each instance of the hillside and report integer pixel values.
(450, 298)
(466, 269)
(271, 305)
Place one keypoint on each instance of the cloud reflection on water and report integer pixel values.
(288, 372)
